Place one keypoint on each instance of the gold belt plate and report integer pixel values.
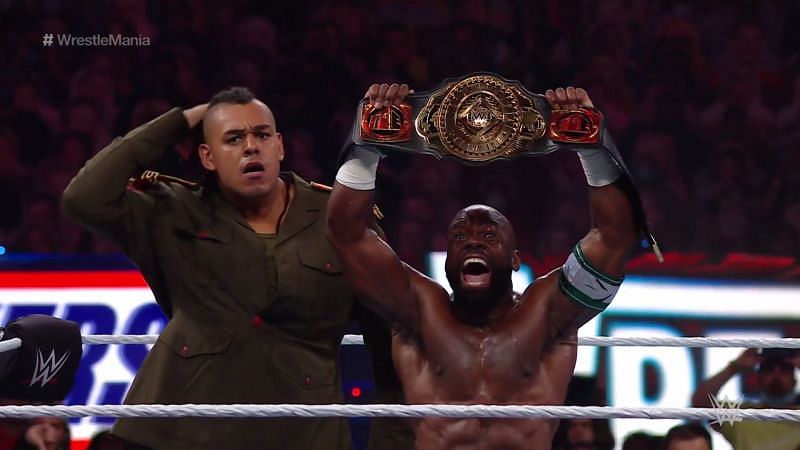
(479, 119)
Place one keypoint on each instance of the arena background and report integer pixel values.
(703, 98)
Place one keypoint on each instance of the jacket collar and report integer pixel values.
(302, 213)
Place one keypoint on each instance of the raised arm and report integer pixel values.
(746, 361)
(376, 274)
(701, 398)
(590, 277)
(98, 196)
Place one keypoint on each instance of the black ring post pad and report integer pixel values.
(43, 369)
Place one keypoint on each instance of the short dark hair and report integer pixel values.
(777, 357)
(642, 441)
(236, 95)
(687, 431)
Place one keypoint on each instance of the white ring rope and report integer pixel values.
(11, 344)
(694, 342)
(597, 341)
(349, 339)
(384, 410)
(119, 338)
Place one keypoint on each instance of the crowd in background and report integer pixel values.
(703, 99)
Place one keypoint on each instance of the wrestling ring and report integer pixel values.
(427, 410)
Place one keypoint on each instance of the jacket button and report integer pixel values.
(307, 380)
(257, 321)
(184, 350)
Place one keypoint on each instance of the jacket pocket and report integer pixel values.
(199, 250)
(188, 339)
(321, 259)
(313, 288)
(303, 367)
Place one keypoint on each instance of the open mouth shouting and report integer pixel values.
(475, 273)
(253, 169)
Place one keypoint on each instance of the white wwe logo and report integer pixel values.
(728, 410)
(45, 370)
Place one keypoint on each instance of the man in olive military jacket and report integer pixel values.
(255, 296)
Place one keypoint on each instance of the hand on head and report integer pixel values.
(748, 360)
(195, 114)
(381, 95)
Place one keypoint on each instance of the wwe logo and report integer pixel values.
(727, 410)
(45, 370)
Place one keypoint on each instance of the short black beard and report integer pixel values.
(500, 285)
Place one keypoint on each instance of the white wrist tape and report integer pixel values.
(358, 172)
(599, 167)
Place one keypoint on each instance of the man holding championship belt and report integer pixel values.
(485, 343)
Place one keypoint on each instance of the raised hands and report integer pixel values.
(381, 95)
(569, 98)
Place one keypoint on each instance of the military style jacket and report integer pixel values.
(227, 340)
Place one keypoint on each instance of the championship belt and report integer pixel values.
(482, 117)
(476, 119)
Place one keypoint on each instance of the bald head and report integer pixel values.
(481, 255)
(486, 214)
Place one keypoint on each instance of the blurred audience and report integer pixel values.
(642, 441)
(104, 440)
(774, 387)
(45, 433)
(689, 436)
(584, 434)
(704, 99)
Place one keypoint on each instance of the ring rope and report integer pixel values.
(693, 342)
(11, 344)
(388, 410)
(597, 341)
(349, 339)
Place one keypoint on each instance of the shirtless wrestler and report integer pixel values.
(486, 344)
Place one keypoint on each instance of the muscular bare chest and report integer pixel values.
(482, 366)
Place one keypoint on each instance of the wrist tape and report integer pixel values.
(599, 167)
(358, 172)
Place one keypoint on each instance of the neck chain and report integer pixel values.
(285, 206)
